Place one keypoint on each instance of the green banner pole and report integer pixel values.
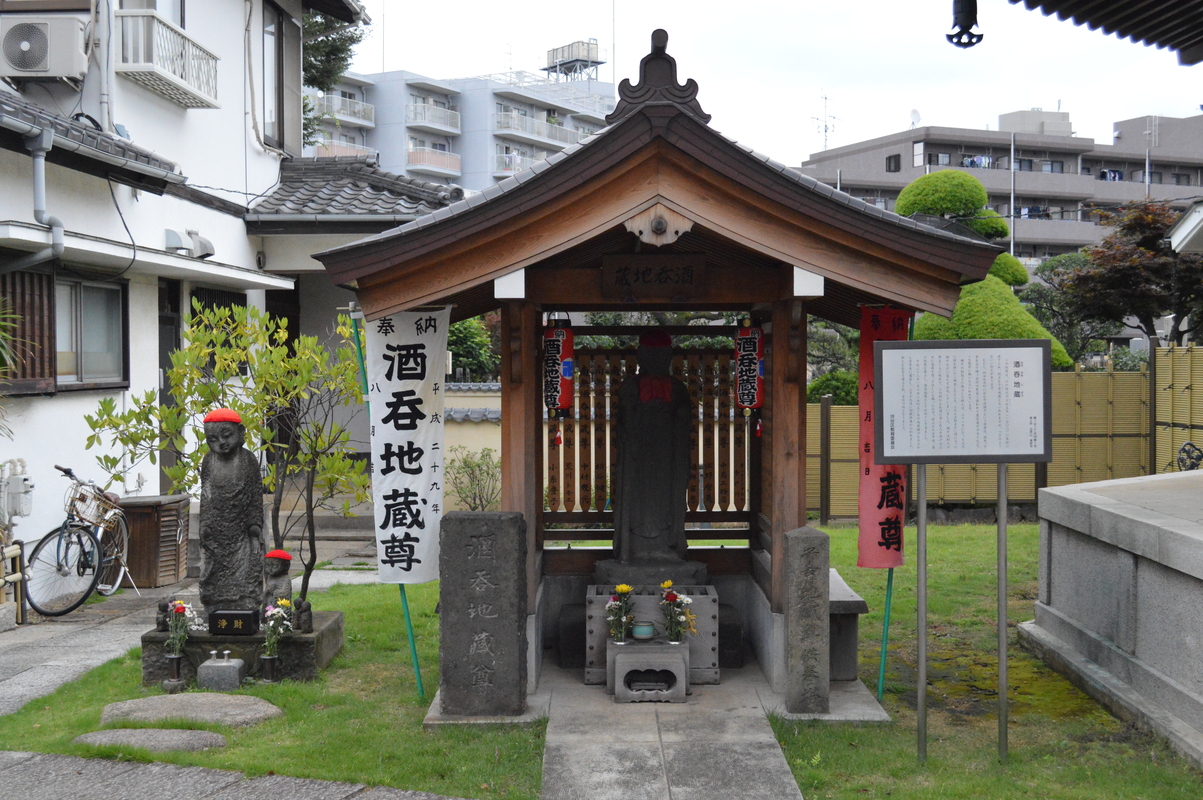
(356, 316)
(413, 645)
(885, 634)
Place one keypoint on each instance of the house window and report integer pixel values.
(917, 154)
(281, 80)
(894, 163)
(1052, 166)
(1023, 165)
(89, 333)
(1181, 179)
(939, 159)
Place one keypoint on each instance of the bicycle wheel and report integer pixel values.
(63, 570)
(114, 552)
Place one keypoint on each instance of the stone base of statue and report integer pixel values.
(651, 571)
(301, 655)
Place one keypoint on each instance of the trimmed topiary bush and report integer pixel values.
(988, 223)
(947, 193)
(989, 310)
(1008, 269)
(840, 384)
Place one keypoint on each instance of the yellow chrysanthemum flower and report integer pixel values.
(666, 585)
(283, 602)
(623, 588)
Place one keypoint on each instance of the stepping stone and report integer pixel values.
(156, 740)
(219, 709)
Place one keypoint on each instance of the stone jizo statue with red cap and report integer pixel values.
(231, 517)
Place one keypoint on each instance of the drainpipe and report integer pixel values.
(38, 143)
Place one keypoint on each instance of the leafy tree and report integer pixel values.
(696, 318)
(840, 384)
(471, 349)
(1048, 301)
(1008, 269)
(474, 478)
(328, 50)
(292, 395)
(1135, 273)
(831, 346)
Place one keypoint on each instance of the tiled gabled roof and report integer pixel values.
(80, 145)
(327, 188)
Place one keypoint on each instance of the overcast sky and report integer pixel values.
(763, 66)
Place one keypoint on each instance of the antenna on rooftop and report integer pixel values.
(826, 122)
(915, 118)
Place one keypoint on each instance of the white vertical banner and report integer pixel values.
(406, 361)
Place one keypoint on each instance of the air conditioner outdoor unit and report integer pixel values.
(42, 47)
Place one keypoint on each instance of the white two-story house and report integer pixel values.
(150, 153)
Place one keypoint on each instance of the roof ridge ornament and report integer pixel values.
(658, 85)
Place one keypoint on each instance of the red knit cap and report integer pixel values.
(655, 339)
(283, 554)
(223, 415)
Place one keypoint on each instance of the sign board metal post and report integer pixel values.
(969, 402)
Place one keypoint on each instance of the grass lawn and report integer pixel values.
(361, 721)
(1061, 744)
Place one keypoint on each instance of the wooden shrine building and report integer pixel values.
(658, 212)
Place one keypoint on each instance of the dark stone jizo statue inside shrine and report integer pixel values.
(651, 476)
(231, 517)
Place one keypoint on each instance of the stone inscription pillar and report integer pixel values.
(807, 625)
(482, 614)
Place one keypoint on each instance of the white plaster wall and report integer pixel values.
(292, 253)
(52, 430)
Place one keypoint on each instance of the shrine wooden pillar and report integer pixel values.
(785, 440)
(521, 430)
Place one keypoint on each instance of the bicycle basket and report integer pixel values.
(89, 504)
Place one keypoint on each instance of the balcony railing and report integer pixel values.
(329, 147)
(419, 113)
(558, 94)
(511, 162)
(533, 127)
(344, 107)
(419, 157)
(161, 57)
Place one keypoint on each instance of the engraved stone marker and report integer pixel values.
(807, 621)
(482, 614)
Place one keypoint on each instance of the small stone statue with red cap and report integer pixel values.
(231, 517)
(277, 586)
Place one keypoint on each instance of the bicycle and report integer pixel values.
(87, 553)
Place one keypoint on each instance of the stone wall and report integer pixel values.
(1121, 585)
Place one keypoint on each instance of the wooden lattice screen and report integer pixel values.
(578, 469)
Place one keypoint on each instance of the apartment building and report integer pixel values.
(472, 132)
(1057, 178)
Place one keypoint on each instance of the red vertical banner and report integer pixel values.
(881, 499)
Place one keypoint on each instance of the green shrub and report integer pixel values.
(989, 310)
(947, 193)
(1009, 270)
(840, 384)
(988, 223)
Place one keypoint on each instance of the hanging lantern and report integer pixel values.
(558, 364)
(749, 367)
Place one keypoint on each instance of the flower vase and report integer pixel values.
(671, 640)
(620, 637)
(174, 683)
(268, 669)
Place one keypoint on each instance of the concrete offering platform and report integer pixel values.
(1121, 582)
(220, 709)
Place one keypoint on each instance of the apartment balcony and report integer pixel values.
(429, 161)
(329, 147)
(161, 57)
(432, 119)
(348, 112)
(1066, 232)
(531, 131)
(507, 164)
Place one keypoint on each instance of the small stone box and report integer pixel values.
(240, 622)
(703, 648)
(640, 672)
(221, 674)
